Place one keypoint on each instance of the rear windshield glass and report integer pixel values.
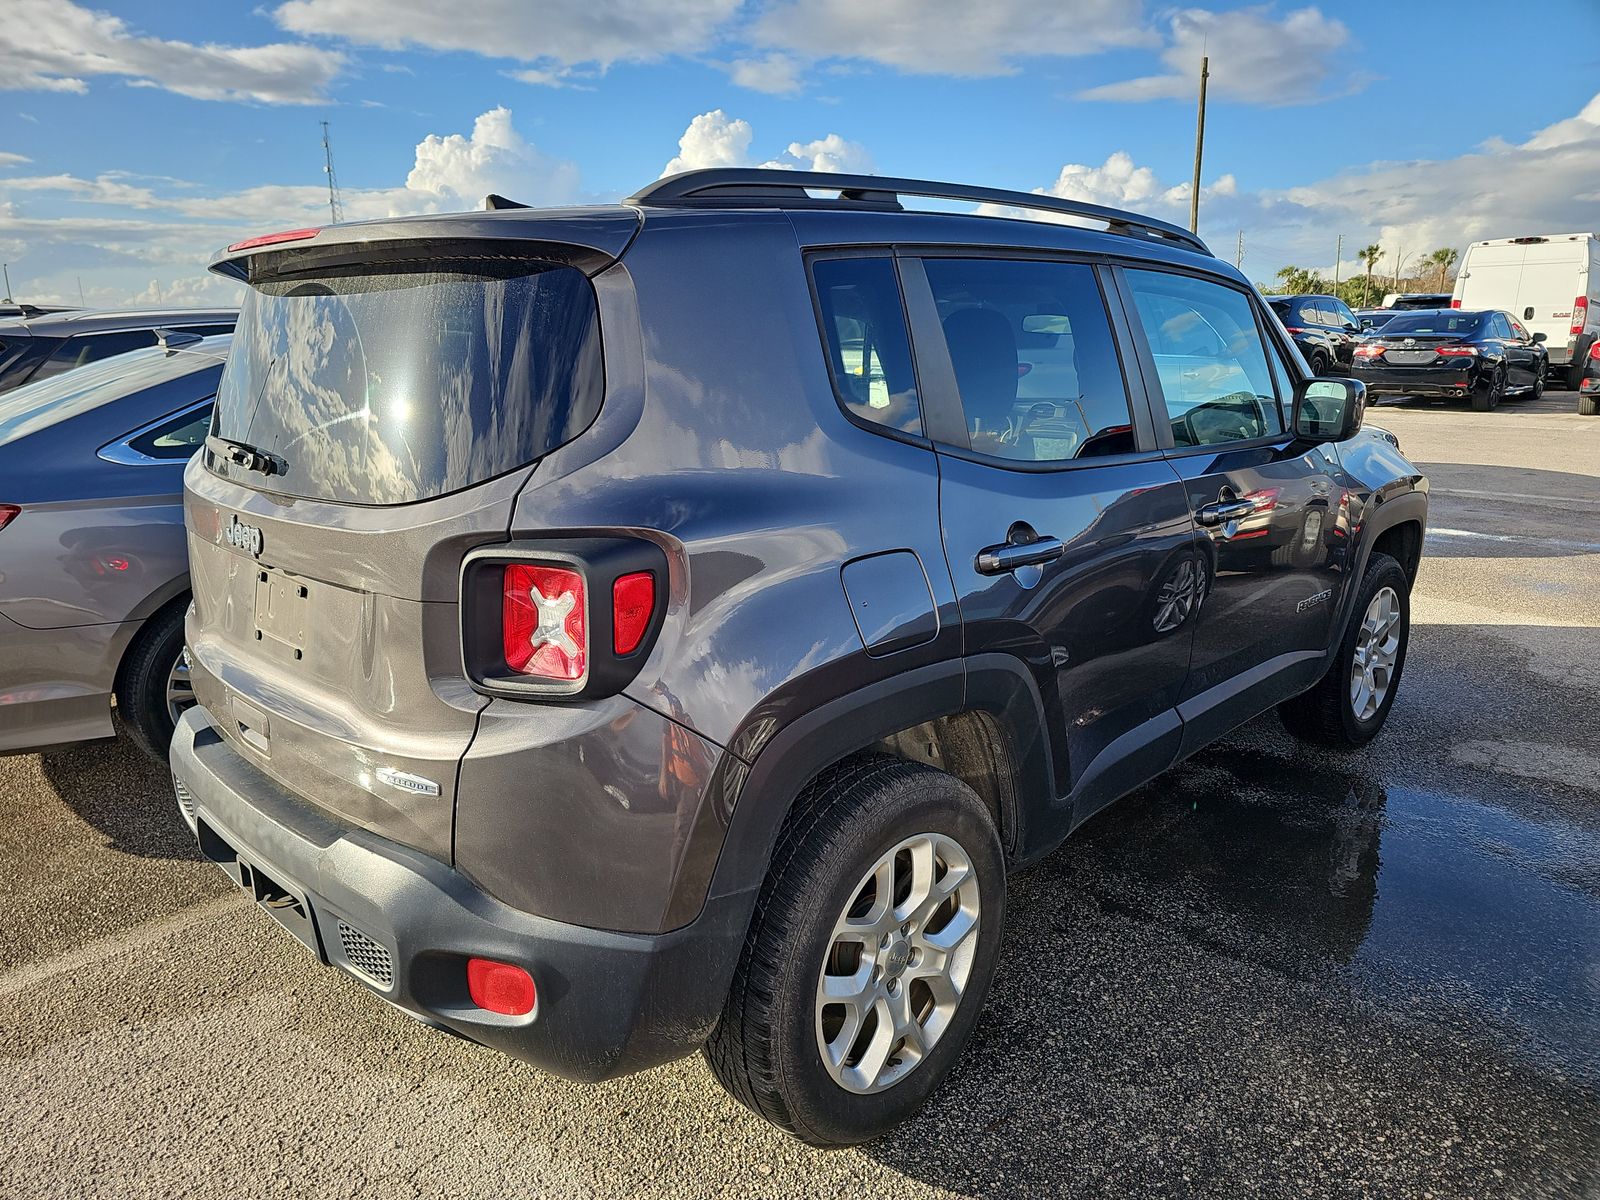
(384, 387)
(1434, 322)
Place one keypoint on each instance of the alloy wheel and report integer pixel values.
(180, 687)
(897, 963)
(1377, 651)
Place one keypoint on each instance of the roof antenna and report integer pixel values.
(335, 205)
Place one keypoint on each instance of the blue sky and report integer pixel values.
(136, 137)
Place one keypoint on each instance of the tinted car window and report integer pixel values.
(177, 438)
(1034, 358)
(1448, 321)
(1341, 314)
(87, 348)
(869, 352)
(1209, 358)
(388, 386)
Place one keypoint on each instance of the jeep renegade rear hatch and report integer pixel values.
(384, 403)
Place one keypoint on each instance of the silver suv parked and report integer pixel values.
(627, 629)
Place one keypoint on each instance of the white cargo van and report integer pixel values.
(1551, 282)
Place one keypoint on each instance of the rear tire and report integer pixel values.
(1538, 384)
(1589, 406)
(1486, 398)
(1328, 713)
(152, 687)
(1319, 363)
(783, 1048)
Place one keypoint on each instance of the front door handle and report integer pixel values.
(1008, 556)
(1224, 511)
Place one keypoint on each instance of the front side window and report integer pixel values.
(869, 351)
(1034, 358)
(1209, 359)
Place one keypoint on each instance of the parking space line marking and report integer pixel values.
(119, 944)
(1561, 501)
(1520, 541)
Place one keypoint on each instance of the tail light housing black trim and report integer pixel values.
(595, 593)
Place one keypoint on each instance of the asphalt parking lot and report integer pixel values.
(1273, 972)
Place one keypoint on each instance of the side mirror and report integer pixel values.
(1328, 410)
(1540, 337)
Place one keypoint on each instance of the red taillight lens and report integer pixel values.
(1594, 353)
(544, 622)
(1369, 351)
(1457, 351)
(500, 987)
(1580, 314)
(1455, 303)
(1294, 329)
(8, 513)
(268, 239)
(633, 600)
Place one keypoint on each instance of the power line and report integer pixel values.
(335, 205)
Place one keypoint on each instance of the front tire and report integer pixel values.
(871, 950)
(153, 687)
(1347, 707)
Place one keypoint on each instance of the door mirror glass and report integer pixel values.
(1328, 410)
(1540, 337)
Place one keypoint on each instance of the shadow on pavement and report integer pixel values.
(122, 793)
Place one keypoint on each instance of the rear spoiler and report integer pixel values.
(590, 239)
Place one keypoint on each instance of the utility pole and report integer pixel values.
(1199, 146)
(1338, 253)
(1238, 255)
(335, 205)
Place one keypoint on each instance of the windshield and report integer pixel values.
(62, 397)
(385, 387)
(1450, 321)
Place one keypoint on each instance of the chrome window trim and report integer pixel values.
(123, 453)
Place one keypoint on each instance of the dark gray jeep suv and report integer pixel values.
(624, 630)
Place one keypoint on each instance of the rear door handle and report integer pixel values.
(1223, 511)
(1008, 556)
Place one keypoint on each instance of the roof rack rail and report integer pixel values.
(726, 187)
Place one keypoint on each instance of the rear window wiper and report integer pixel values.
(242, 454)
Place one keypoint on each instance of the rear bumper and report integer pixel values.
(403, 925)
(1418, 381)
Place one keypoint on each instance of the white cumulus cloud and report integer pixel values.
(714, 139)
(1255, 58)
(58, 46)
(493, 158)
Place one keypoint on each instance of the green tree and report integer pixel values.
(1442, 260)
(1297, 281)
(1369, 258)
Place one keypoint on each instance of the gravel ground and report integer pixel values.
(1272, 972)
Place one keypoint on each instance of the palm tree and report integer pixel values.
(1297, 280)
(1370, 257)
(1444, 258)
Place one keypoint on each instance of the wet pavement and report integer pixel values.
(1271, 972)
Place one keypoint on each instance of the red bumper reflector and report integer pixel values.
(633, 599)
(500, 987)
(8, 513)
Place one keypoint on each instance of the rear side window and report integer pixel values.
(87, 348)
(177, 438)
(1209, 358)
(1034, 358)
(376, 386)
(869, 352)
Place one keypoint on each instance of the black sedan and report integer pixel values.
(1452, 353)
(1323, 327)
